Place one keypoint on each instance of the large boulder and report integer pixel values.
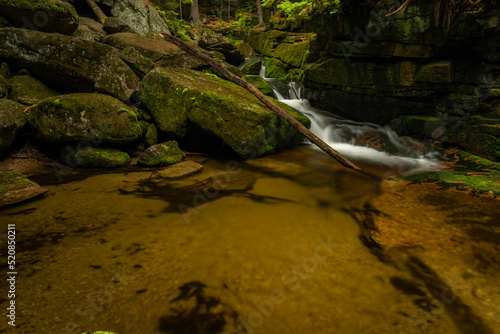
(15, 188)
(28, 90)
(12, 120)
(217, 107)
(84, 117)
(139, 15)
(68, 63)
(42, 15)
(162, 154)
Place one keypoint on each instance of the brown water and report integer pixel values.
(272, 251)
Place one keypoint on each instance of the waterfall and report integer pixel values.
(344, 135)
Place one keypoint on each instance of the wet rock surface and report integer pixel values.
(15, 188)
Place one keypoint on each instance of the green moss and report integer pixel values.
(151, 137)
(162, 154)
(94, 157)
(13, 180)
(260, 84)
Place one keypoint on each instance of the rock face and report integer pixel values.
(44, 15)
(140, 15)
(219, 108)
(94, 118)
(260, 83)
(12, 120)
(68, 63)
(371, 68)
(15, 188)
(162, 154)
(212, 41)
(94, 157)
(28, 90)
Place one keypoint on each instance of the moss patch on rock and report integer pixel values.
(162, 154)
(84, 117)
(151, 137)
(93, 157)
(28, 90)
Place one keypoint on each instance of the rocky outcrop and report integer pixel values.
(371, 68)
(28, 90)
(84, 117)
(67, 63)
(212, 41)
(45, 15)
(221, 109)
(15, 188)
(162, 154)
(12, 120)
(140, 15)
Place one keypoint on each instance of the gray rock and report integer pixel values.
(180, 170)
(162, 154)
(90, 30)
(136, 61)
(114, 25)
(93, 118)
(139, 15)
(213, 41)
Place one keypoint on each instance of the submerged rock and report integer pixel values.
(84, 116)
(28, 90)
(162, 154)
(15, 188)
(219, 108)
(68, 63)
(93, 157)
(180, 170)
(45, 15)
(12, 120)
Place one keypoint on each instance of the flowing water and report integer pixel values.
(271, 249)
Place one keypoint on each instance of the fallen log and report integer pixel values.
(270, 104)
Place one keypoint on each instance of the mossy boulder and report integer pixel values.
(28, 90)
(15, 188)
(88, 156)
(68, 63)
(219, 108)
(275, 68)
(136, 61)
(84, 117)
(140, 15)
(12, 120)
(260, 83)
(90, 30)
(152, 47)
(162, 154)
(42, 15)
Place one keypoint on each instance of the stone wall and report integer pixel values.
(406, 70)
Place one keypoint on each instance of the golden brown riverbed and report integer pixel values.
(270, 250)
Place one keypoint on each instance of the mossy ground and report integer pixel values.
(468, 172)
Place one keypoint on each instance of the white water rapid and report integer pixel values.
(343, 135)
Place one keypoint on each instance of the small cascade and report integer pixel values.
(350, 137)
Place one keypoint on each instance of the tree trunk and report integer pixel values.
(259, 13)
(270, 104)
(180, 9)
(229, 10)
(195, 14)
(97, 11)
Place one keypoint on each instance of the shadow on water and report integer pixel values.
(193, 311)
